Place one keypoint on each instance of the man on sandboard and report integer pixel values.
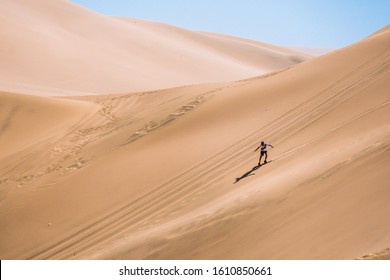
(263, 151)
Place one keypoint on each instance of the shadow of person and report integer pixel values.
(249, 173)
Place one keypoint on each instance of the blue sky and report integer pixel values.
(303, 23)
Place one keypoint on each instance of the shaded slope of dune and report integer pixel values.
(171, 174)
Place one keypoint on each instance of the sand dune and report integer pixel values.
(57, 48)
(171, 173)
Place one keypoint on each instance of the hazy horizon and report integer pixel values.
(303, 23)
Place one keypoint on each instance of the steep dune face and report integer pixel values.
(171, 174)
(325, 195)
(57, 48)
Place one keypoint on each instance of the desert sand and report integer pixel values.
(94, 165)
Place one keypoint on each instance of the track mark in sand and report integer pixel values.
(262, 76)
(84, 136)
(106, 112)
(77, 164)
(8, 119)
(152, 125)
(381, 255)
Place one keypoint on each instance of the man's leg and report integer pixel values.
(266, 155)
(260, 159)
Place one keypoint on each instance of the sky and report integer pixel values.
(300, 23)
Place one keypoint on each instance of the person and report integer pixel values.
(263, 151)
